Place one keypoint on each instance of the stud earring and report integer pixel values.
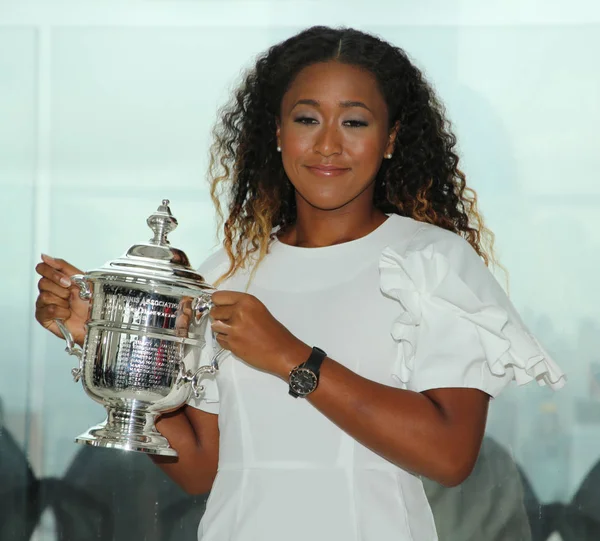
(388, 156)
(278, 149)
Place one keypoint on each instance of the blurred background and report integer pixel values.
(106, 108)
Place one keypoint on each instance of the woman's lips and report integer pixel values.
(327, 171)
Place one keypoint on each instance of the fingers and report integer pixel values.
(54, 275)
(53, 302)
(60, 265)
(220, 328)
(183, 318)
(56, 270)
(49, 307)
(48, 313)
(223, 298)
(221, 320)
(46, 285)
(45, 298)
(185, 306)
(222, 313)
(50, 261)
(222, 341)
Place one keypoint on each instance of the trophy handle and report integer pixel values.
(201, 306)
(198, 389)
(85, 293)
(71, 349)
(188, 377)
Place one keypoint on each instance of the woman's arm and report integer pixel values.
(194, 434)
(436, 433)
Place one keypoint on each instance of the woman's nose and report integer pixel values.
(328, 141)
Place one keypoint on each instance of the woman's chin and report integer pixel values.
(325, 200)
(327, 204)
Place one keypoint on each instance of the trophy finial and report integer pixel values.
(162, 222)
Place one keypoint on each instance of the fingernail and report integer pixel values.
(65, 282)
(46, 256)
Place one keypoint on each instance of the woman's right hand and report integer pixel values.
(59, 298)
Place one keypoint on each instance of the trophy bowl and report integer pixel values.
(146, 336)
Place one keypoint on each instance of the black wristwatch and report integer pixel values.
(305, 377)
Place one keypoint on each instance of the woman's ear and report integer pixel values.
(389, 149)
(278, 132)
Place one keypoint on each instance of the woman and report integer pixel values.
(353, 278)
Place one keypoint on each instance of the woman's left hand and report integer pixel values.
(245, 327)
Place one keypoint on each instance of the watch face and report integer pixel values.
(303, 381)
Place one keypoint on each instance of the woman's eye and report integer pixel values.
(355, 123)
(305, 120)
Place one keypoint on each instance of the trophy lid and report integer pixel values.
(156, 260)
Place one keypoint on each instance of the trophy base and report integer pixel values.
(128, 431)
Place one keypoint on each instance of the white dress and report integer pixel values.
(410, 305)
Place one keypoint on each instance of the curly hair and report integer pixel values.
(421, 180)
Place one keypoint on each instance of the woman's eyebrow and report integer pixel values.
(354, 104)
(345, 104)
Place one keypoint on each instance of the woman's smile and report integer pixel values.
(327, 170)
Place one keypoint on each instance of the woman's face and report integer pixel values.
(334, 133)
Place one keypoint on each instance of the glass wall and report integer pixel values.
(105, 110)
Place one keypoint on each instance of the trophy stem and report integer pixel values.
(129, 429)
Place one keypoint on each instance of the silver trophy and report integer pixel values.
(148, 312)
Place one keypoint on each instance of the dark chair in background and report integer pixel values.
(120, 496)
(545, 519)
(488, 506)
(578, 520)
(581, 519)
(20, 505)
(77, 513)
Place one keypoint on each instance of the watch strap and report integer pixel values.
(314, 361)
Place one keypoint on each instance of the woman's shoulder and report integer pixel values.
(421, 238)
(214, 266)
(432, 256)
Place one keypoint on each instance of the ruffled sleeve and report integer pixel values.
(455, 326)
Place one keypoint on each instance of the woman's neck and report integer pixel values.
(316, 228)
